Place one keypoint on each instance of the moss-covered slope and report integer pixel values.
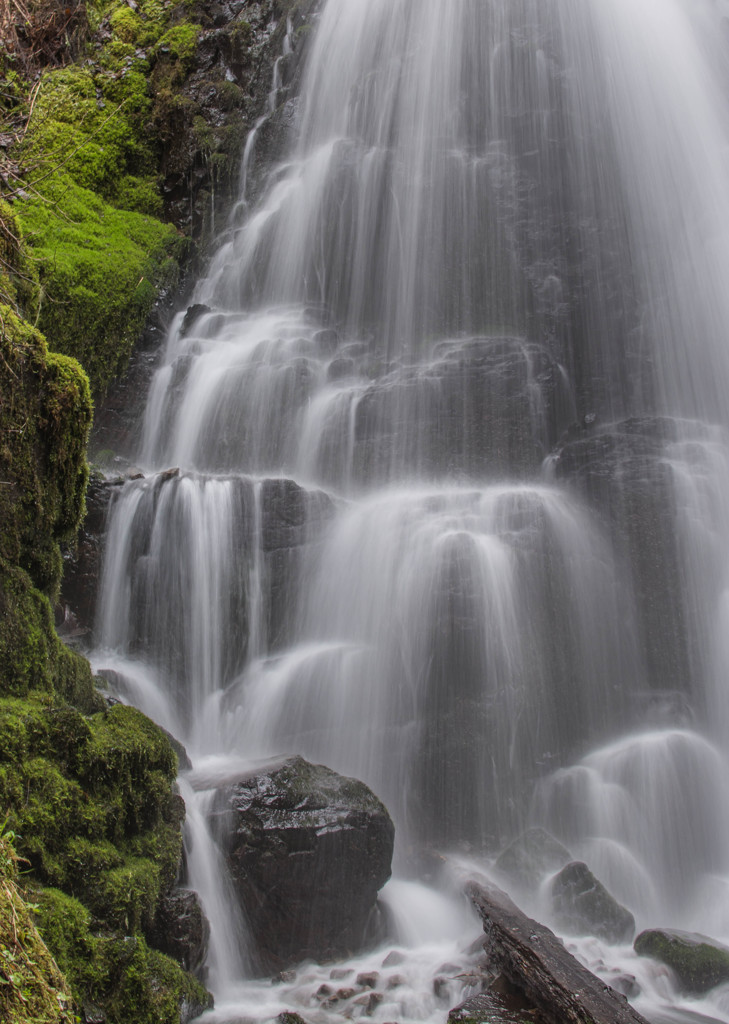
(121, 118)
(88, 788)
(32, 989)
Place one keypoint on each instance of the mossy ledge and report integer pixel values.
(88, 788)
(32, 988)
(123, 120)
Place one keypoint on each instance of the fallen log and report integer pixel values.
(533, 959)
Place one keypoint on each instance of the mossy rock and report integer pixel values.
(45, 417)
(698, 962)
(32, 988)
(19, 287)
(130, 982)
(101, 270)
(91, 801)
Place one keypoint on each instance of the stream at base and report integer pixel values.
(434, 485)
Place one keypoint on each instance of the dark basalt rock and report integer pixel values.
(471, 411)
(308, 851)
(82, 562)
(181, 929)
(532, 855)
(583, 905)
(698, 962)
(622, 470)
(218, 99)
(191, 317)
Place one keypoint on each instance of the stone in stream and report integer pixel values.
(181, 929)
(698, 962)
(583, 906)
(308, 851)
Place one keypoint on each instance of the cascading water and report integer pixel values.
(449, 510)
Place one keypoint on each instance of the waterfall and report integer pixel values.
(437, 476)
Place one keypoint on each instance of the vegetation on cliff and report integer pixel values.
(88, 788)
(32, 989)
(118, 124)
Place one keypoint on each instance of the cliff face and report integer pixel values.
(121, 130)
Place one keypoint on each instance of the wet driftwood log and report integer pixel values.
(533, 959)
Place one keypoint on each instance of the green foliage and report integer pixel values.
(101, 269)
(90, 207)
(179, 43)
(18, 272)
(131, 981)
(45, 417)
(32, 990)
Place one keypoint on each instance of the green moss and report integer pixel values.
(91, 125)
(45, 416)
(121, 973)
(32, 989)
(179, 44)
(65, 925)
(126, 25)
(91, 207)
(91, 802)
(18, 272)
(101, 269)
(698, 963)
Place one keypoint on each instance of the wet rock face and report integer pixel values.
(532, 855)
(698, 962)
(308, 851)
(204, 122)
(82, 565)
(622, 471)
(181, 929)
(583, 905)
(483, 406)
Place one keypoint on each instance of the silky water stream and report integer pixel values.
(474, 337)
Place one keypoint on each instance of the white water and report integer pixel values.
(497, 220)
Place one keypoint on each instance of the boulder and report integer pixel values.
(181, 929)
(698, 962)
(532, 855)
(308, 851)
(582, 905)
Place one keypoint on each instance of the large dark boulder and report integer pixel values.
(582, 905)
(308, 851)
(698, 962)
(181, 929)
